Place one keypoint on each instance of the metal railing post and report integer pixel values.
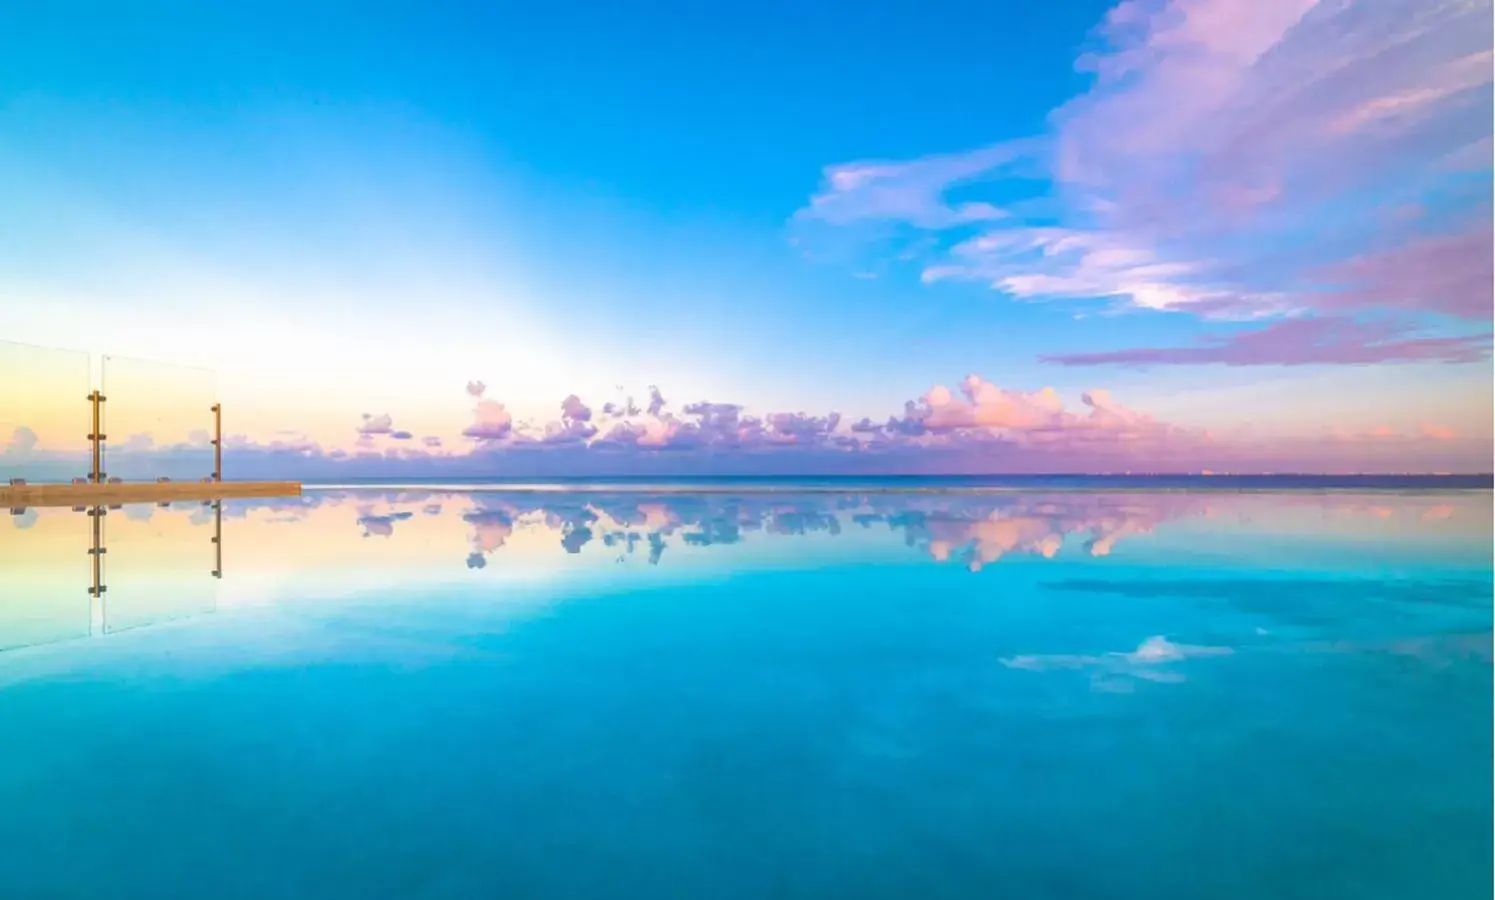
(217, 442)
(97, 438)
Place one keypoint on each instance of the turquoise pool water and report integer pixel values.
(448, 694)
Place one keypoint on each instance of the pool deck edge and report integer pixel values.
(17, 497)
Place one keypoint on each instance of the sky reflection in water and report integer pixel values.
(624, 694)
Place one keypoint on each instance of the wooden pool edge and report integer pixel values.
(145, 492)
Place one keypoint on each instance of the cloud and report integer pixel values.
(716, 423)
(491, 527)
(1451, 274)
(476, 388)
(911, 192)
(978, 427)
(573, 409)
(982, 413)
(985, 414)
(372, 424)
(1227, 160)
(625, 408)
(973, 530)
(491, 422)
(1151, 661)
(656, 401)
(283, 444)
(800, 428)
(381, 525)
(986, 405)
(401, 435)
(568, 431)
(1293, 342)
(431, 441)
(23, 441)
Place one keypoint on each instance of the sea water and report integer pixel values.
(420, 693)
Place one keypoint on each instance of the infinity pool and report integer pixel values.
(370, 694)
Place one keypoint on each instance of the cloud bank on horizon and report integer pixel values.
(1317, 169)
(977, 428)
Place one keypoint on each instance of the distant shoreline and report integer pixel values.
(937, 484)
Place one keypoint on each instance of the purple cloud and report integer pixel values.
(381, 525)
(431, 441)
(656, 401)
(626, 408)
(401, 435)
(800, 428)
(1450, 274)
(1294, 342)
(476, 388)
(976, 427)
(568, 431)
(1221, 163)
(573, 409)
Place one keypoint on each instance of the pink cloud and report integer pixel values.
(491, 422)
(568, 431)
(1214, 131)
(988, 406)
(980, 427)
(1292, 342)
(372, 424)
(1016, 422)
(1450, 273)
(572, 408)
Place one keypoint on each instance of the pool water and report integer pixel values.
(451, 694)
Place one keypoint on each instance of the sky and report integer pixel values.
(1175, 235)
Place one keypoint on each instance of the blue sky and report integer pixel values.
(795, 208)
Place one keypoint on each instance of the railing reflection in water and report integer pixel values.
(90, 571)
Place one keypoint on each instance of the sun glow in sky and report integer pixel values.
(967, 237)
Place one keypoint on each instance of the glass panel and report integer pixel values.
(45, 576)
(159, 419)
(45, 416)
(160, 564)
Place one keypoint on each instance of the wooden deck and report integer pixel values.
(140, 492)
